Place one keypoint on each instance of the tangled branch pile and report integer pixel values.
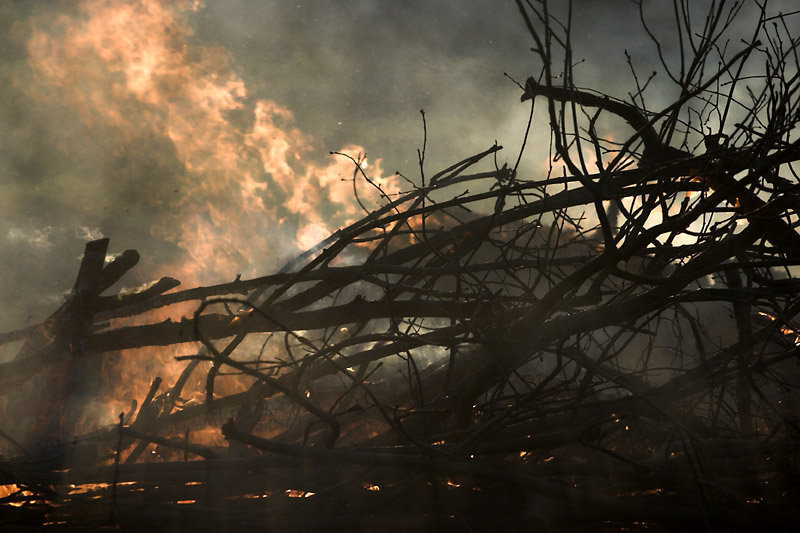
(607, 348)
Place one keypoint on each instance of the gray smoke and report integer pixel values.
(350, 72)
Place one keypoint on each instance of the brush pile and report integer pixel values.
(427, 367)
(600, 349)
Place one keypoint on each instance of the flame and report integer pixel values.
(244, 194)
(294, 493)
(6, 490)
(132, 69)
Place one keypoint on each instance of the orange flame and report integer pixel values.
(132, 69)
(246, 195)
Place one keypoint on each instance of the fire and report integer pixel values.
(132, 69)
(236, 189)
(294, 493)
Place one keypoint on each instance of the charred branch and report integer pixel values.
(605, 349)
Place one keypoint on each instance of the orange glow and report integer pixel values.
(785, 329)
(5, 490)
(247, 193)
(13, 489)
(292, 493)
(131, 69)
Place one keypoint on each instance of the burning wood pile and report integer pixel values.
(427, 367)
(598, 350)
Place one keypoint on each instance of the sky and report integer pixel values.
(198, 133)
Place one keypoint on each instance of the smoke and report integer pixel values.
(149, 135)
(198, 133)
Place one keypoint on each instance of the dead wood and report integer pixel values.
(603, 349)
